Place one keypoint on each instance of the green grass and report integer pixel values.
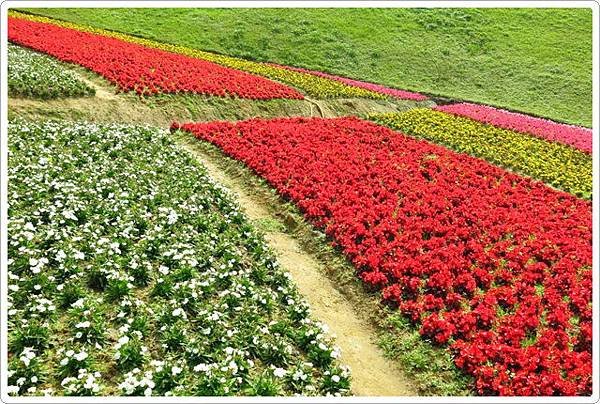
(533, 60)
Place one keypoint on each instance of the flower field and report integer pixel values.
(132, 273)
(31, 74)
(578, 137)
(134, 67)
(494, 265)
(559, 165)
(393, 92)
(311, 84)
(183, 222)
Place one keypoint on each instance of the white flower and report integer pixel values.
(69, 214)
(279, 372)
(79, 255)
(27, 355)
(172, 218)
(335, 378)
(83, 324)
(176, 370)
(78, 303)
(60, 255)
(202, 367)
(81, 356)
(177, 312)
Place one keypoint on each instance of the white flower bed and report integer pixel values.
(132, 273)
(32, 74)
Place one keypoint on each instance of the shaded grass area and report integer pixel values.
(430, 367)
(532, 60)
(163, 109)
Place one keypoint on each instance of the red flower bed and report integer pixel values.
(576, 136)
(496, 265)
(141, 69)
(402, 94)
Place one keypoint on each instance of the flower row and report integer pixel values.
(556, 164)
(576, 136)
(31, 74)
(133, 67)
(309, 83)
(494, 264)
(393, 92)
(130, 272)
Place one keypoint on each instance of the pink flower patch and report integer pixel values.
(576, 136)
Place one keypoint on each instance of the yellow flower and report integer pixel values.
(312, 85)
(558, 165)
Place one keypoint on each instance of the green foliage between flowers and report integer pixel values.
(31, 74)
(131, 272)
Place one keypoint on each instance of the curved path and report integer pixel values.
(372, 373)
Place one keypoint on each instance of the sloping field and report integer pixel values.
(315, 192)
(539, 59)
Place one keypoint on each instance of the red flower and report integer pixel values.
(144, 70)
(496, 263)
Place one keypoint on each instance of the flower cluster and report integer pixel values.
(134, 67)
(576, 136)
(311, 84)
(556, 164)
(378, 88)
(32, 74)
(495, 265)
(131, 272)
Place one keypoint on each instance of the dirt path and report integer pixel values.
(102, 92)
(372, 374)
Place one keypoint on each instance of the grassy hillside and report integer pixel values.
(533, 60)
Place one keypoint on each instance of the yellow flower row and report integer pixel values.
(559, 165)
(312, 85)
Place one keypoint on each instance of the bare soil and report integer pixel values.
(372, 373)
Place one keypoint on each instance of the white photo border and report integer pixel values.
(5, 5)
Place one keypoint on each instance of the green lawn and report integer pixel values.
(534, 60)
